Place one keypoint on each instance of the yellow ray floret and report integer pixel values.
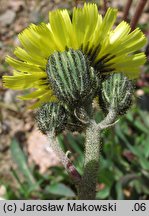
(108, 49)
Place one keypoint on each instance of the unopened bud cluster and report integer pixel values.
(75, 84)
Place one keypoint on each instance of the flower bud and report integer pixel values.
(72, 78)
(116, 93)
(51, 116)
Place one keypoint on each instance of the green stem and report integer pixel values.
(87, 188)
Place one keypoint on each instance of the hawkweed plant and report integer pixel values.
(70, 63)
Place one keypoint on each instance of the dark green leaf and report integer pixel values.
(20, 159)
(104, 193)
(60, 189)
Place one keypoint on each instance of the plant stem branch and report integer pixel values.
(109, 120)
(137, 14)
(74, 174)
(87, 186)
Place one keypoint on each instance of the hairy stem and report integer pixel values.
(87, 188)
(109, 120)
(63, 158)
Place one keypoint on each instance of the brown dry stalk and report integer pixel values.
(126, 9)
(76, 2)
(137, 14)
(105, 6)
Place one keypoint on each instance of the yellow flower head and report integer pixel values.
(108, 49)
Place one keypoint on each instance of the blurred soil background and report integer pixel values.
(18, 131)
